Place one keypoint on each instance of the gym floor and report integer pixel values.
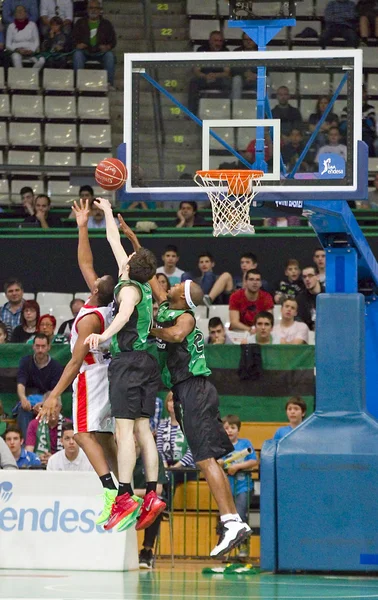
(184, 581)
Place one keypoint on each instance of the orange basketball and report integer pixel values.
(111, 174)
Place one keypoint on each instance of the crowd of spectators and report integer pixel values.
(50, 34)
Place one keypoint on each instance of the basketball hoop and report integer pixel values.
(230, 194)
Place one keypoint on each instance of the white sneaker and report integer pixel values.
(231, 534)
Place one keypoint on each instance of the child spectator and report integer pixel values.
(291, 285)
(239, 471)
(264, 330)
(3, 333)
(15, 442)
(28, 327)
(296, 409)
(217, 332)
(54, 44)
(333, 146)
(170, 258)
(288, 330)
(215, 287)
(319, 258)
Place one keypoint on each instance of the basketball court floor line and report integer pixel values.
(185, 581)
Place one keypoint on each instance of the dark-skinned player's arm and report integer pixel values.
(178, 332)
(158, 293)
(87, 325)
(84, 252)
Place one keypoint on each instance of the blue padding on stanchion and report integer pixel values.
(268, 523)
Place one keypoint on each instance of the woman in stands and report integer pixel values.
(332, 120)
(23, 39)
(3, 333)
(163, 281)
(29, 319)
(46, 324)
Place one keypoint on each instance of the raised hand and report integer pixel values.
(128, 232)
(104, 204)
(81, 212)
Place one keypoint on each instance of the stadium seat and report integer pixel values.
(277, 79)
(320, 7)
(58, 80)
(92, 108)
(23, 79)
(60, 136)
(221, 311)
(277, 313)
(307, 107)
(226, 133)
(4, 106)
(269, 9)
(200, 312)
(91, 159)
(62, 191)
(4, 191)
(200, 29)
(82, 295)
(244, 109)
(95, 136)
(223, 8)
(203, 325)
(311, 338)
(214, 108)
(27, 107)
(92, 80)
(305, 8)
(373, 84)
(20, 157)
(370, 56)
(54, 299)
(3, 134)
(201, 7)
(301, 25)
(244, 137)
(17, 184)
(215, 161)
(231, 33)
(25, 134)
(373, 164)
(2, 81)
(60, 159)
(61, 108)
(336, 80)
(314, 84)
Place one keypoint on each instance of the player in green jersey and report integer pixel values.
(133, 377)
(182, 360)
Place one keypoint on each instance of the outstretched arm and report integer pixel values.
(128, 298)
(84, 252)
(112, 233)
(158, 293)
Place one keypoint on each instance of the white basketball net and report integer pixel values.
(230, 195)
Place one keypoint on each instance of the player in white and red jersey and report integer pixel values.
(88, 370)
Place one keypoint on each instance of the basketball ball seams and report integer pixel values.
(111, 174)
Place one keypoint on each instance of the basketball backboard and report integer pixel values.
(174, 127)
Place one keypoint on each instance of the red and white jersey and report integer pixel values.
(101, 356)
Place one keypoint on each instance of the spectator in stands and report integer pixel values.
(333, 146)
(369, 123)
(28, 200)
(46, 324)
(250, 153)
(94, 39)
(209, 78)
(155, 420)
(71, 457)
(289, 221)
(22, 40)
(244, 79)
(239, 472)
(7, 461)
(170, 258)
(331, 120)
(43, 438)
(296, 409)
(28, 326)
(9, 10)
(373, 195)
(340, 20)
(4, 56)
(14, 440)
(38, 373)
(289, 115)
(288, 330)
(291, 285)
(264, 324)
(42, 216)
(97, 218)
(55, 44)
(3, 333)
(75, 305)
(368, 14)
(86, 192)
(187, 215)
(319, 258)
(307, 299)
(246, 303)
(146, 558)
(248, 261)
(293, 149)
(163, 281)
(63, 9)
(217, 332)
(215, 287)
(10, 313)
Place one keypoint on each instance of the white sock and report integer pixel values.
(230, 517)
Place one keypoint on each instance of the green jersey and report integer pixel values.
(133, 335)
(180, 361)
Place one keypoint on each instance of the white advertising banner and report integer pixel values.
(47, 521)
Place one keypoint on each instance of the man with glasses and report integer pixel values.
(246, 303)
(307, 299)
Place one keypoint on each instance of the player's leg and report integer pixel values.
(109, 447)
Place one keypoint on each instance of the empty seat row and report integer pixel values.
(54, 107)
(87, 80)
(55, 135)
(55, 158)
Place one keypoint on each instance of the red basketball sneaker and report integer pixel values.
(152, 507)
(123, 505)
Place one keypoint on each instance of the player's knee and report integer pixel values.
(82, 438)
